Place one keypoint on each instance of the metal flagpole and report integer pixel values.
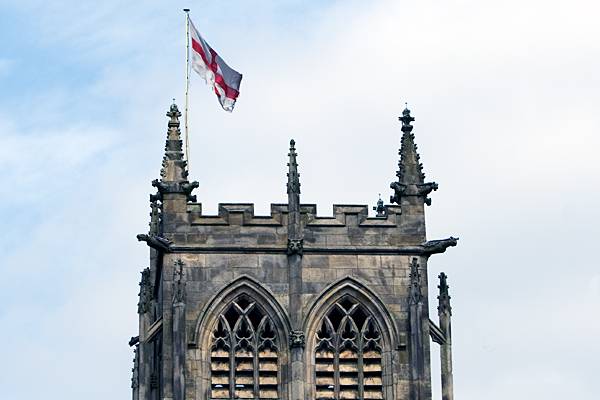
(187, 83)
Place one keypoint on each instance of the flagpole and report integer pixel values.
(187, 83)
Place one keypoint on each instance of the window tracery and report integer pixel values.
(348, 354)
(244, 353)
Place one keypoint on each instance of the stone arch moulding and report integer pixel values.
(253, 288)
(208, 319)
(349, 286)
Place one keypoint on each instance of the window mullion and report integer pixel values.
(232, 350)
(255, 366)
(361, 374)
(336, 367)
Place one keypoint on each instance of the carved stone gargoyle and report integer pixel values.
(439, 246)
(422, 189)
(175, 187)
(156, 242)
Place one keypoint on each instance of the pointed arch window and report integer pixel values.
(348, 354)
(244, 353)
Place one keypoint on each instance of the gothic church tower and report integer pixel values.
(290, 305)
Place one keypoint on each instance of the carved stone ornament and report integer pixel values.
(179, 283)
(295, 246)
(415, 282)
(156, 242)
(135, 382)
(145, 292)
(296, 339)
(439, 246)
(444, 297)
(380, 208)
(421, 190)
(176, 187)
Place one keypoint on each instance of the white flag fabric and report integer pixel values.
(207, 63)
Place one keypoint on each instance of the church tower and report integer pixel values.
(292, 305)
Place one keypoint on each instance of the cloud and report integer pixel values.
(505, 98)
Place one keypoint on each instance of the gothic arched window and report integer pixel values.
(244, 353)
(348, 353)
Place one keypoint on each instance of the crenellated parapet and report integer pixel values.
(238, 228)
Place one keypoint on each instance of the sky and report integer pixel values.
(505, 96)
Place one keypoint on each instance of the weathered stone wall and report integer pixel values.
(219, 250)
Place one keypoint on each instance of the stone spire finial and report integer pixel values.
(173, 164)
(411, 179)
(174, 168)
(444, 297)
(293, 184)
(406, 119)
(295, 241)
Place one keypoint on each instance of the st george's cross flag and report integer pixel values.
(207, 63)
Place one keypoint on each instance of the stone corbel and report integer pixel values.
(297, 339)
(295, 246)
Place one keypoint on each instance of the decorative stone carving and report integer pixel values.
(297, 339)
(156, 242)
(175, 187)
(293, 185)
(380, 208)
(439, 246)
(295, 246)
(135, 382)
(415, 282)
(178, 282)
(154, 218)
(444, 298)
(145, 292)
(411, 179)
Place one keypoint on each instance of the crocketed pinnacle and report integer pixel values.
(293, 184)
(411, 179)
(410, 170)
(174, 168)
(293, 191)
(444, 298)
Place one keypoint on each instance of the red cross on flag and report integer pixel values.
(207, 63)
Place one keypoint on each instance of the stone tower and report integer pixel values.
(289, 305)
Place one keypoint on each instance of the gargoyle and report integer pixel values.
(439, 246)
(422, 189)
(156, 242)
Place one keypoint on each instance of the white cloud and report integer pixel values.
(505, 97)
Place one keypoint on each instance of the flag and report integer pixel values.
(207, 63)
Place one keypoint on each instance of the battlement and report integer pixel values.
(242, 214)
(236, 227)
